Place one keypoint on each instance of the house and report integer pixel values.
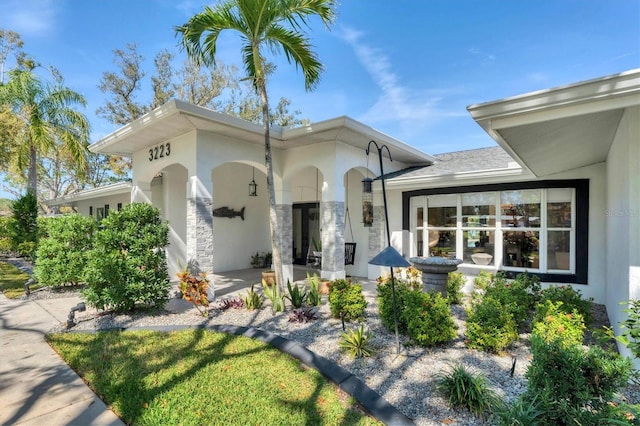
(558, 196)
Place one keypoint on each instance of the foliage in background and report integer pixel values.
(194, 289)
(357, 342)
(573, 384)
(630, 332)
(490, 326)
(346, 300)
(571, 299)
(128, 265)
(552, 322)
(198, 377)
(62, 257)
(463, 389)
(455, 282)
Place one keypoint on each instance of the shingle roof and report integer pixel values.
(471, 160)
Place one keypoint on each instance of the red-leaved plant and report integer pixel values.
(194, 289)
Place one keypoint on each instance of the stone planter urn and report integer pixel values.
(435, 271)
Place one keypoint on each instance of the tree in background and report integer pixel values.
(10, 42)
(262, 24)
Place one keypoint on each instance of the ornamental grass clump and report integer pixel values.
(194, 289)
(463, 389)
(346, 300)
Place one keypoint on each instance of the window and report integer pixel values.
(90, 210)
(106, 210)
(511, 227)
(119, 206)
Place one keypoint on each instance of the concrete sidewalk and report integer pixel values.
(36, 386)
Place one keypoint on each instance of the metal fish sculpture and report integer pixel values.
(227, 212)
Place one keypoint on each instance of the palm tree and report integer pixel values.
(48, 121)
(263, 24)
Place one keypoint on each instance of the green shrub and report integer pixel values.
(551, 322)
(5, 227)
(63, 256)
(521, 412)
(23, 228)
(483, 279)
(428, 318)
(6, 246)
(27, 249)
(424, 317)
(490, 326)
(128, 265)
(314, 298)
(346, 300)
(357, 342)
(455, 282)
(296, 296)
(274, 296)
(518, 297)
(568, 378)
(571, 299)
(463, 389)
(253, 300)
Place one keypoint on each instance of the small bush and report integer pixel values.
(357, 342)
(346, 300)
(483, 280)
(428, 318)
(490, 326)
(24, 226)
(128, 265)
(518, 297)
(274, 296)
(569, 378)
(296, 296)
(385, 303)
(62, 257)
(6, 246)
(253, 300)
(571, 299)
(463, 389)
(551, 322)
(27, 249)
(455, 282)
(194, 289)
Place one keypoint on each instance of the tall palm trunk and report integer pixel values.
(273, 211)
(32, 178)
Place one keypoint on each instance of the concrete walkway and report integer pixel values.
(36, 386)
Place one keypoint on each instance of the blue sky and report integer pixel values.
(408, 68)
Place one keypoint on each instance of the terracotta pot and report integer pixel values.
(269, 277)
(323, 287)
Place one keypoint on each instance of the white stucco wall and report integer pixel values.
(621, 218)
(82, 206)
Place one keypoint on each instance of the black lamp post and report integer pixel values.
(367, 201)
(389, 256)
(253, 186)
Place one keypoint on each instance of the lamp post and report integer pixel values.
(389, 256)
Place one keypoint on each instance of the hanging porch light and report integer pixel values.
(253, 186)
(367, 201)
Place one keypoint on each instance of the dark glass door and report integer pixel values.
(306, 231)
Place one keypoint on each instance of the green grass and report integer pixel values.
(12, 281)
(197, 377)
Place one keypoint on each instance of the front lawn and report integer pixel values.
(196, 377)
(12, 281)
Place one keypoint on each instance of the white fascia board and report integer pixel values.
(477, 175)
(101, 191)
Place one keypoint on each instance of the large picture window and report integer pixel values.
(510, 227)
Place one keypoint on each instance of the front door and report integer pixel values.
(306, 231)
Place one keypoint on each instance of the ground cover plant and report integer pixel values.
(196, 377)
(12, 281)
(461, 388)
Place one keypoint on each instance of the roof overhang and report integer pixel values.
(563, 128)
(176, 118)
(119, 188)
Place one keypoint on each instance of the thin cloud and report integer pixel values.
(29, 17)
(485, 58)
(413, 109)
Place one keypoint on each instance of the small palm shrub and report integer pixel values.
(574, 385)
(571, 299)
(313, 297)
(274, 296)
(194, 289)
(253, 300)
(346, 300)
(463, 389)
(296, 296)
(303, 315)
(551, 322)
(519, 297)
(357, 342)
(490, 326)
(62, 257)
(455, 282)
(127, 267)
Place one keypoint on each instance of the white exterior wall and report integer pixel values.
(82, 206)
(621, 218)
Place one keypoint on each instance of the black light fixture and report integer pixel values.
(367, 201)
(253, 186)
(389, 256)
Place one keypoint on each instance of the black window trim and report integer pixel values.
(581, 187)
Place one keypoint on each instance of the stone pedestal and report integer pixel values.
(435, 271)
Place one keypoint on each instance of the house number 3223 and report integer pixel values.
(160, 151)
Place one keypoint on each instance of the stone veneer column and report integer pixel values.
(285, 221)
(200, 230)
(377, 232)
(332, 229)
